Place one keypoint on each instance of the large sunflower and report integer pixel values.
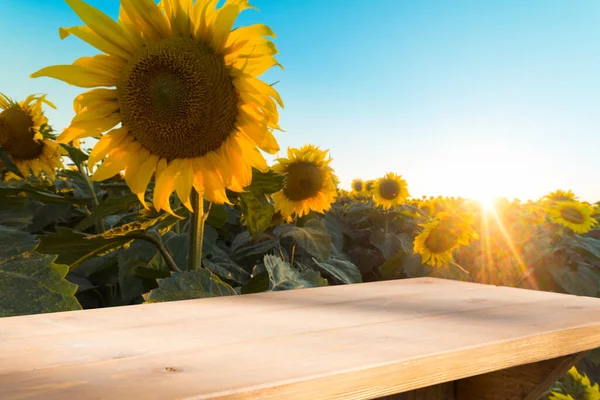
(309, 184)
(442, 236)
(184, 87)
(390, 190)
(574, 215)
(25, 135)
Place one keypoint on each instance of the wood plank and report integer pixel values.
(78, 337)
(256, 304)
(362, 342)
(526, 382)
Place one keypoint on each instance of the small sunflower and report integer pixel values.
(561, 195)
(576, 386)
(390, 190)
(574, 215)
(25, 135)
(358, 187)
(184, 86)
(442, 236)
(309, 183)
(369, 187)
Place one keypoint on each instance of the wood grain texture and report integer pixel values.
(524, 382)
(346, 342)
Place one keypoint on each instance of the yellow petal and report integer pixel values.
(256, 66)
(198, 181)
(102, 25)
(160, 167)
(254, 85)
(223, 24)
(109, 141)
(102, 64)
(110, 167)
(87, 128)
(184, 181)
(148, 17)
(142, 177)
(205, 15)
(136, 157)
(214, 186)
(87, 35)
(164, 187)
(269, 144)
(182, 18)
(75, 75)
(240, 36)
(96, 111)
(93, 96)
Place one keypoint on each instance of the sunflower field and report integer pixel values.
(159, 188)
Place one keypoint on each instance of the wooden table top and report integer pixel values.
(353, 341)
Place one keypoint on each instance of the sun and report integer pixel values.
(486, 201)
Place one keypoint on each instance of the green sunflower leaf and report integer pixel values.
(189, 285)
(265, 182)
(75, 154)
(388, 243)
(257, 212)
(283, 277)
(342, 270)
(217, 216)
(581, 281)
(74, 247)
(16, 212)
(23, 190)
(113, 206)
(312, 237)
(31, 283)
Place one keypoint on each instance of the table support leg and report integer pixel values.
(527, 382)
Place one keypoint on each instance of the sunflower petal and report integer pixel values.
(133, 169)
(87, 35)
(223, 24)
(76, 75)
(148, 17)
(87, 128)
(103, 64)
(102, 25)
(109, 141)
(110, 167)
(92, 96)
(184, 181)
(164, 187)
(97, 111)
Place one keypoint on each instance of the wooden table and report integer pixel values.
(427, 338)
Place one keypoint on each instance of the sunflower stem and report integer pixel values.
(386, 219)
(90, 186)
(160, 246)
(176, 205)
(196, 232)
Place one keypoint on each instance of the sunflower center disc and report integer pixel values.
(177, 99)
(572, 215)
(304, 180)
(16, 134)
(440, 239)
(358, 186)
(389, 189)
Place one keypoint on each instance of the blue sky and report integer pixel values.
(460, 97)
